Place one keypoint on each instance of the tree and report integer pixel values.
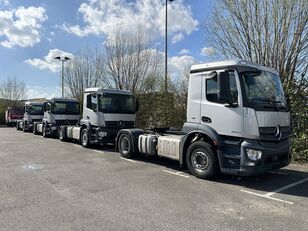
(271, 33)
(268, 32)
(131, 63)
(84, 71)
(12, 90)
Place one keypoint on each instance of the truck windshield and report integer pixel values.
(116, 103)
(36, 110)
(264, 91)
(17, 111)
(65, 108)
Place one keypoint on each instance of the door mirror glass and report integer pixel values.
(136, 104)
(227, 90)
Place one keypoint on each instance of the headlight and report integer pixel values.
(102, 134)
(254, 154)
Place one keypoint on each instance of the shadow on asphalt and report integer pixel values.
(267, 182)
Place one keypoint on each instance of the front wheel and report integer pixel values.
(125, 146)
(24, 129)
(62, 134)
(84, 138)
(201, 160)
(44, 131)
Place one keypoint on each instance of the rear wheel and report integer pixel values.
(201, 160)
(125, 146)
(84, 138)
(17, 126)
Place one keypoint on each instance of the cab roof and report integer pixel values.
(33, 103)
(107, 90)
(64, 100)
(228, 64)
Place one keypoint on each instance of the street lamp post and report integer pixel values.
(166, 45)
(166, 62)
(62, 59)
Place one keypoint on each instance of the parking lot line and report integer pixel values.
(175, 173)
(101, 152)
(278, 173)
(129, 160)
(267, 197)
(286, 187)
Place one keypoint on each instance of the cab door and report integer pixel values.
(221, 106)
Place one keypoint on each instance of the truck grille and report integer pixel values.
(66, 122)
(119, 124)
(274, 134)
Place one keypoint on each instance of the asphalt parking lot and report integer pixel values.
(49, 185)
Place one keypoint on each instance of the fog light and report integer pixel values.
(254, 154)
(102, 134)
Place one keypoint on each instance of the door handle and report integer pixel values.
(206, 119)
(88, 117)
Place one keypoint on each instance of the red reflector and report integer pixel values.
(216, 143)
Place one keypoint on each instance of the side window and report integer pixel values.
(48, 107)
(92, 102)
(212, 88)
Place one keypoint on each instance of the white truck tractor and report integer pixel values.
(237, 123)
(105, 112)
(57, 112)
(33, 112)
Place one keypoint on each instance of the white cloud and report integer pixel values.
(4, 2)
(184, 52)
(180, 64)
(34, 92)
(48, 62)
(177, 37)
(207, 51)
(20, 27)
(102, 17)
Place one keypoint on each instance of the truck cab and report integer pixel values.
(241, 108)
(12, 115)
(105, 112)
(237, 123)
(57, 112)
(33, 112)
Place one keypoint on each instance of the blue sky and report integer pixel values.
(33, 31)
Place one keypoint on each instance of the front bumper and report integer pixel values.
(274, 156)
(109, 135)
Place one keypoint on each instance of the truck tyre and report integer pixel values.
(201, 160)
(44, 132)
(125, 146)
(62, 134)
(84, 138)
(23, 127)
(34, 129)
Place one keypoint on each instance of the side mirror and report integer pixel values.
(136, 104)
(225, 95)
